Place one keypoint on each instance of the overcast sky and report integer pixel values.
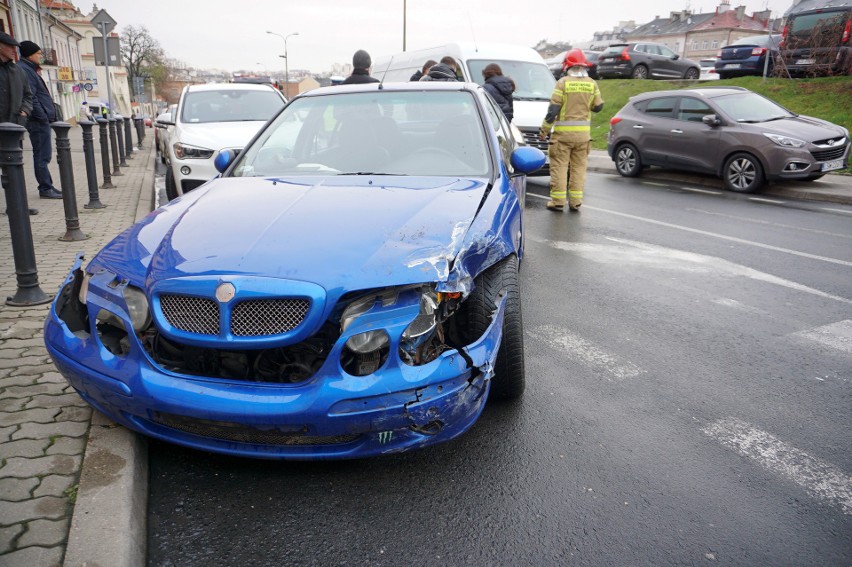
(231, 35)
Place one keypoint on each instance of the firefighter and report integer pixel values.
(574, 98)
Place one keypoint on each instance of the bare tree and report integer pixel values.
(139, 50)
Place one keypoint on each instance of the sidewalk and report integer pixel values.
(831, 189)
(44, 425)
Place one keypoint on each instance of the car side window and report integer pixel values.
(662, 107)
(665, 51)
(693, 110)
(639, 48)
(653, 49)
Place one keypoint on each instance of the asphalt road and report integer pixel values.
(689, 370)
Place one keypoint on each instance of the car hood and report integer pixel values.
(217, 135)
(338, 232)
(802, 127)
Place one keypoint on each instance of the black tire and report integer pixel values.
(742, 173)
(171, 187)
(639, 72)
(723, 76)
(814, 177)
(691, 74)
(628, 162)
(509, 378)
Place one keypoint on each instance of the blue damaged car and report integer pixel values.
(348, 286)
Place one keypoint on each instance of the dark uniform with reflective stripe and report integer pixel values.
(569, 115)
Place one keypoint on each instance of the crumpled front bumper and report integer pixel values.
(332, 415)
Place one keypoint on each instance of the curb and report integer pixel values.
(109, 523)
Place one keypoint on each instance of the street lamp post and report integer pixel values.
(286, 59)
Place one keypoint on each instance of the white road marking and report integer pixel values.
(708, 192)
(765, 200)
(654, 184)
(837, 211)
(582, 351)
(820, 479)
(632, 253)
(837, 335)
(767, 223)
(738, 305)
(723, 237)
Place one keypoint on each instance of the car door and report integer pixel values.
(668, 63)
(691, 143)
(652, 129)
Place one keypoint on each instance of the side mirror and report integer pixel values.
(224, 160)
(711, 120)
(527, 159)
(675, 57)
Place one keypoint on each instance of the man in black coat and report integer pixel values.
(361, 63)
(446, 70)
(16, 101)
(39, 121)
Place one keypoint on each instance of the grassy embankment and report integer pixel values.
(827, 98)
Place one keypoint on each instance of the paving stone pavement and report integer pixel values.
(44, 424)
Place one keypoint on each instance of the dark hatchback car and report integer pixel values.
(731, 132)
(817, 42)
(747, 56)
(645, 60)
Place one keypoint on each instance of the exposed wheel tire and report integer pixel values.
(723, 76)
(171, 187)
(640, 72)
(628, 163)
(742, 173)
(691, 74)
(509, 375)
(814, 177)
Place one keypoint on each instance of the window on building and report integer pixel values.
(715, 44)
(704, 44)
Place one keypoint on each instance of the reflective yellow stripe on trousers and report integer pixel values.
(572, 126)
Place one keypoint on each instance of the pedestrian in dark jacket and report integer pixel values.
(16, 101)
(361, 63)
(420, 72)
(39, 121)
(446, 70)
(500, 88)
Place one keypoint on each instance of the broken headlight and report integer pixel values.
(137, 306)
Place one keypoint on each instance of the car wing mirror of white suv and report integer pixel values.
(711, 120)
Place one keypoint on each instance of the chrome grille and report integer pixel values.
(531, 138)
(258, 317)
(827, 155)
(191, 314)
(239, 433)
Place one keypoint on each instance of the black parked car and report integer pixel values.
(645, 60)
(747, 56)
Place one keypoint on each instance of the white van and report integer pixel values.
(534, 81)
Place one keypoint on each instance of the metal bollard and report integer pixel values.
(66, 177)
(116, 172)
(91, 172)
(103, 124)
(128, 139)
(119, 136)
(17, 209)
(140, 131)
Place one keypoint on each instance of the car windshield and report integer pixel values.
(533, 81)
(758, 40)
(751, 107)
(230, 105)
(614, 49)
(435, 133)
(819, 23)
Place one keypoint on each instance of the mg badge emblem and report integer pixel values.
(225, 292)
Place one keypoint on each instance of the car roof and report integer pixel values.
(230, 87)
(704, 92)
(393, 87)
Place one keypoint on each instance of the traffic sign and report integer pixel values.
(104, 22)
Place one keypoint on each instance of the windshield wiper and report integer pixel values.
(776, 118)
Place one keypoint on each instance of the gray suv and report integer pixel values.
(731, 132)
(645, 60)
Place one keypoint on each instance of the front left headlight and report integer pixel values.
(186, 151)
(137, 308)
(785, 141)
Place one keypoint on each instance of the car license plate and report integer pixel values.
(832, 165)
(732, 66)
(805, 61)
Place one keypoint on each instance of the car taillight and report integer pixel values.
(846, 31)
(624, 55)
(783, 37)
(758, 51)
(614, 120)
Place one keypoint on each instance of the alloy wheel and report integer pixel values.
(742, 173)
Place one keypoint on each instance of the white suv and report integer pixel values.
(209, 119)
